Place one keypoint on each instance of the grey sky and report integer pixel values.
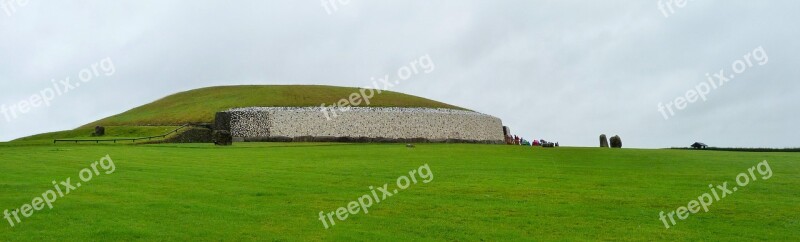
(564, 71)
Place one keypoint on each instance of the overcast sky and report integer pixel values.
(564, 71)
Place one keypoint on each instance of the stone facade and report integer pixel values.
(360, 124)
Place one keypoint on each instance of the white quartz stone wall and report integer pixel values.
(391, 123)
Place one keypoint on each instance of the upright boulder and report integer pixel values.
(222, 137)
(616, 142)
(509, 137)
(603, 141)
(222, 121)
(99, 131)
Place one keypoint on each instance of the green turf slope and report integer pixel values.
(200, 105)
(112, 132)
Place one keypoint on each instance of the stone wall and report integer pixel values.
(192, 135)
(360, 124)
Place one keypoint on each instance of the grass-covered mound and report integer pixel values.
(200, 105)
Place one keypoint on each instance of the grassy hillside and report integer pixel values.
(200, 105)
(112, 132)
(274, 191)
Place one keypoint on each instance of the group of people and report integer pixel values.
(516, 140)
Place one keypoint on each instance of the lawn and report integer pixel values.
(275, 191)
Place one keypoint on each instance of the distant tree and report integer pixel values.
(698, 145)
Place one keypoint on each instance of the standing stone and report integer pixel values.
(603, 141)
(507, 134)
(222, 121)
(222, 137)
(616, 142)
(99, 131)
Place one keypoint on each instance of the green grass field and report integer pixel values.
(275, 191)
